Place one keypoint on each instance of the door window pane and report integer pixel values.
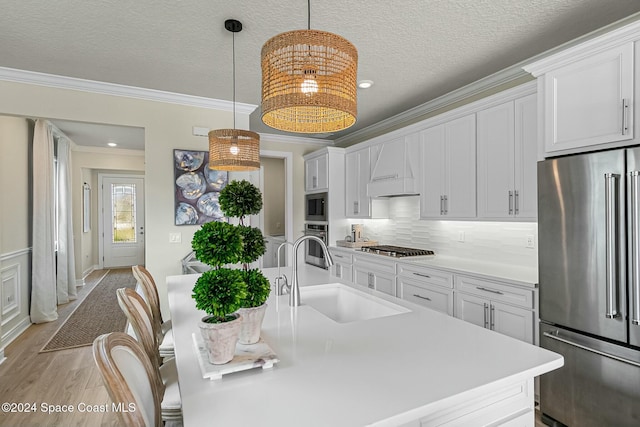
(123, 201)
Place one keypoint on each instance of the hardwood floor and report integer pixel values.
(64, 377)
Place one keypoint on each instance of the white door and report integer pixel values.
(122, 221)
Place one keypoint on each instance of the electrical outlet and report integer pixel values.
(175, 237)
(531, 242)
(461, 236)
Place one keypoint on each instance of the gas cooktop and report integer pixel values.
(396, 251)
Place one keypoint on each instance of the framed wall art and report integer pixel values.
(196, 188)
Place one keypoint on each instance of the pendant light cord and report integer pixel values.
(234, 80)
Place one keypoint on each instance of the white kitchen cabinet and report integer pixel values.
(426, 287)
(507, 146)
(357, 174)
(342, 267)
(316, 173)
(497, 306)
(375, 273)
(588, 97)
(270, 257)
(448, 155)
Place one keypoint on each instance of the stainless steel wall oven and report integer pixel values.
(314, 254)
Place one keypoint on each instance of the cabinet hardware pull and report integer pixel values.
(516, 202)
(337, 256)
(625, 116)
(493, 291)
(421, 297)
(486, 309)
(635, 248)
(511, 202)
(370, 284)
(492, 318)
(611, 239)
(446, 205)
(385, 177)
(441, 205)
(356, 207)
(422, 275)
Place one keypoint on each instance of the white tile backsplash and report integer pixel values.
(491, 241)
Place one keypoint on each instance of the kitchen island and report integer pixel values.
(418, 367)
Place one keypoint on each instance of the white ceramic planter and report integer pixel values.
(251, 324)
(220, 339)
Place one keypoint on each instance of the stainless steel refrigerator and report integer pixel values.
(589, 279)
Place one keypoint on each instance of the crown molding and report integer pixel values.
(590, 44)
(92, 86)
(288, 139)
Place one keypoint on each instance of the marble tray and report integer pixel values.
(246, 357)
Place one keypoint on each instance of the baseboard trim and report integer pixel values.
(2, 358)
(16, 331)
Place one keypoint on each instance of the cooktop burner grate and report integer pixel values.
(396, 251)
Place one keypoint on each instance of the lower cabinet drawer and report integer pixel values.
(433, 297)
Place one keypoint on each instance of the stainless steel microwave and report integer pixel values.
(316, 207)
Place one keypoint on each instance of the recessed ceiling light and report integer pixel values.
(365, 84)
(112, 144)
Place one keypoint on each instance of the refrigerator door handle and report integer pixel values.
(587, 348)
(611, 225)
(635, 247)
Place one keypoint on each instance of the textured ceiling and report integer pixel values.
(413, 50)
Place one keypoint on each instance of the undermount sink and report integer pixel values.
(345, 304)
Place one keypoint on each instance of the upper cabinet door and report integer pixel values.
(526, 146)
(496, 192)
(433, 171)
(317, 173)
(590, 101)
(460, 160)
(357, 170)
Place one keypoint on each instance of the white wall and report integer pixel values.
(167, 126)
(502, 242)
(15, 228)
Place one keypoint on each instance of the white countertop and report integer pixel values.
(518, 275)
(384, 371)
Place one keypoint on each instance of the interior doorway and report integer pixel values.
(121, 210)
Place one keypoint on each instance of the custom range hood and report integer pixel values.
(395, 168)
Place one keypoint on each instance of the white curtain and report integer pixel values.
(66, 274)
(43, 273)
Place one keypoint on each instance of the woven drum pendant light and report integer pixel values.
(309, 81)
(234, 149)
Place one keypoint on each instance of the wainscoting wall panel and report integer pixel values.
(15, 279)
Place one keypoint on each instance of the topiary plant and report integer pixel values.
(217, 244)
(239, 199)
(258, 289)
(219, 293)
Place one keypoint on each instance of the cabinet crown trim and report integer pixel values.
(574, 52)
(507, 95)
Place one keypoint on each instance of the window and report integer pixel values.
(123, 200)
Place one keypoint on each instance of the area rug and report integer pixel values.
(99, 313)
